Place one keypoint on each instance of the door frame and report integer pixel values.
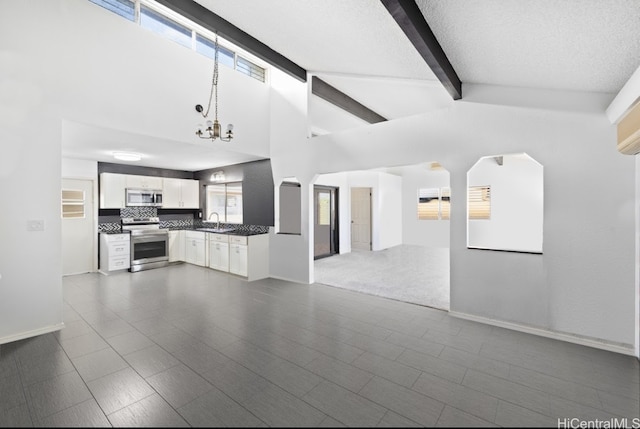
(334, 221)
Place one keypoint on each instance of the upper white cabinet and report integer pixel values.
(180, 193)
(112, 190)
(143, 182)
(176, 193)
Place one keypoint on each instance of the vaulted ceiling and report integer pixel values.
(358, 48)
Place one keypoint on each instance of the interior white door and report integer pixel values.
(361, 218)
(78, 234)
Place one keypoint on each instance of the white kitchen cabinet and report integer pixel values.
(176, 246)
(112, 190)
(143, 182)
(249, 256)
(238, 259)
(115, 251)
(195, 251)
(180, 193)
(219, 252)
(190, 194)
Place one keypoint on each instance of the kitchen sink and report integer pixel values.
(218, 230)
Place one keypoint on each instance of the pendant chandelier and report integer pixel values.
(211, 129)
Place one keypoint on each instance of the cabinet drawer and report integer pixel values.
(198, 235)
(119, 249)
(119, 263)
(233, 239)
(116, 238)
(219, 238)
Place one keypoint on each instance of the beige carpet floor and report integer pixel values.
(408, 273)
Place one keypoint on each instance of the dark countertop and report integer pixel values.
(118, 231)
(245, 233)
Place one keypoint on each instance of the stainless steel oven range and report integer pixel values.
(149, 243)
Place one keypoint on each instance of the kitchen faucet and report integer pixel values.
(217, 219)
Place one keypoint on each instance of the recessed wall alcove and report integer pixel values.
(505, 204)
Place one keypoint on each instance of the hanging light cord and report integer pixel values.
(214, 82)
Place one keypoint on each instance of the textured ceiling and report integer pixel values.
(352, 37)
(582, 45)
(356, 46)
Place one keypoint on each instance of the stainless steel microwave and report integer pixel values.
(143, 197)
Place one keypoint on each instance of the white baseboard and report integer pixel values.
(616, 348)
(33, 333)
(287, 279)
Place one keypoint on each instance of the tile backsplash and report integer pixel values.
(139, 212)
(170, 221)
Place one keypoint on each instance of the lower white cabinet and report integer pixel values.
(238, 259)
(249, 256)
(195, 248)
(176, 246)
(219, 252)
(244, 256)
(115, 251)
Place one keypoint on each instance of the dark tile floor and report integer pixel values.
(189, 346)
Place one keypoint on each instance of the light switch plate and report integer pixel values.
(35, 225)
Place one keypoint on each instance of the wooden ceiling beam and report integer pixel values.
(338, 98)
(211, 21)
(408, 16)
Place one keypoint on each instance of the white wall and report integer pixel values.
(517, 204)
(79, 168)
(30, 261)
(428, 233)
(637, 259)
(290, 257)
(583, 284)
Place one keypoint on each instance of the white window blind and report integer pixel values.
(479, 206)
(73, 203)
(434, 203)
(445, 203)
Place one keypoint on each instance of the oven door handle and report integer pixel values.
(148, 238)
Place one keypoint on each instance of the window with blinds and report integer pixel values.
(445, 203)
(73, 204)
(479, 204)
(154, 17)
(434, 203)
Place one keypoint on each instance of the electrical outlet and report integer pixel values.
(35, 225)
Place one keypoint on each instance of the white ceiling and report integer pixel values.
(87, 141)
(582, 45)
(357, 47)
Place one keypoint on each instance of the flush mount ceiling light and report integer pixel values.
(211, 129)
(127, 156)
